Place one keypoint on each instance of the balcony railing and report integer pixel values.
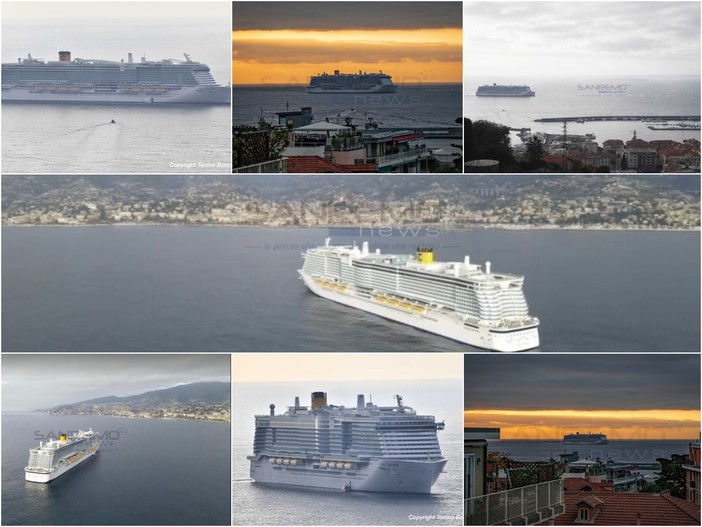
(525, 505)
(276, 166)
(392, 159)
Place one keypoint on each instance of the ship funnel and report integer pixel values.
(62, 437)
(297, 402)
(64, 56)
(130, 59)
(425, 255)
(364, 250)
(360, 402)
(319, 399)
(272, 407)
(487, 267)
(466, 260)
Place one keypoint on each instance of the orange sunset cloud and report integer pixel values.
(665, 424)
(287, 56)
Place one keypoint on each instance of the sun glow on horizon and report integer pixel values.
(293, 56)
(638, 424)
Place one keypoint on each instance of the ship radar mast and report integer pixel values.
(187, 57)
(399, 403)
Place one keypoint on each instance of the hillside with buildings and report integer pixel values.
(203, 401)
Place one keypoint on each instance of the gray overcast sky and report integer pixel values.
(582, 382)
(44, 380)
(345, 15)
(584, 39)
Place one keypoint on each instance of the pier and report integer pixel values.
(619, 118)
(443, 132)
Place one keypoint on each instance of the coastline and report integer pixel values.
(454, 227)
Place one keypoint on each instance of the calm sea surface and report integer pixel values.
(413, 104)
(236, 289)
(256, 504)
(79, 138)
(147, 472)
(580, 97)
(618, 451)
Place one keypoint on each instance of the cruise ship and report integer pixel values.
(102, 81)
(498, 90)
(58, 456)
(360, 82)
(363, 448)
(585, 439)
(459, 300)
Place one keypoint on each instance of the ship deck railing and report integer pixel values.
(39, 470)
(522, 506)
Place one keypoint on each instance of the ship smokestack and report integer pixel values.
(130, 59)
(319, 399)
(466, 260)
(425, 255)
(487, 267)
(64, 56)
(360, 402)
(297, 402)
(272, 407)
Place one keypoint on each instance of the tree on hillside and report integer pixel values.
(491, 141)
(535, 152)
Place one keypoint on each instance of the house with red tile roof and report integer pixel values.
(314, 165)
(591, 503)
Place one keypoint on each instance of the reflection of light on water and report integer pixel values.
(38, 490)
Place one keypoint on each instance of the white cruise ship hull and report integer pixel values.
(378, 475)
(435, 321)
(381, 88)
(45, 477)
(184, 95)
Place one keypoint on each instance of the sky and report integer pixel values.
(413, 42)
(110, 30)
(330, 367)
(536, 396)
(37, 381)
(589, 40)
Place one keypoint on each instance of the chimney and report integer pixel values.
(319, 399)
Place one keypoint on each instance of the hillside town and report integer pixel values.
(617, 204)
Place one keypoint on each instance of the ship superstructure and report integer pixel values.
(585, 439)
(360, 82)
(103, 81)
(459, 300)
(500, 90)
(367, 448)
(57, 456)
